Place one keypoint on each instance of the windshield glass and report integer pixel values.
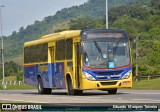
(98, 54)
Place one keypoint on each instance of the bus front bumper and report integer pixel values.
(123, 83)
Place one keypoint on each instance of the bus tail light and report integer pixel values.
(88, 76)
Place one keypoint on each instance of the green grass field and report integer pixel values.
(13, 87)
(18, 87)
(153, 84)
(11, 78)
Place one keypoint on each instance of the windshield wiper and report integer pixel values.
(116, 46)
(98, 48)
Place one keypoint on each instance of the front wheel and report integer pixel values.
(72, 91)
(112, 91)
(42, 90)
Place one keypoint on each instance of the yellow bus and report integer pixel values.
(79, 60)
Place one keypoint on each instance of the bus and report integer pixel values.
(78, 60)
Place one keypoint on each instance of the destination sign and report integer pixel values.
(104, 35)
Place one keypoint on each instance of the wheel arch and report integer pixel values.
(68, 75)
(38, 76)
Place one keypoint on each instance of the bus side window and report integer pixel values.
(60, 50)
(26, 55)
(45, 52)
(38, 52)
(32, 54)
(69, 49)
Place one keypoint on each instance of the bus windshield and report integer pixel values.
(105, 54)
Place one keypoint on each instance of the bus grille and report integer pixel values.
(109, 72)
(106, 74)
(108, 83)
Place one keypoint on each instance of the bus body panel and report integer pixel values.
(30, 75)
(43, 72)
(32, 72)
(52, 75)
(58, 76)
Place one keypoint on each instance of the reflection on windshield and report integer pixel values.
(106, 54)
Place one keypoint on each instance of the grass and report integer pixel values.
(17, 87)
(153, 84)
(22, 86)
(11, 78)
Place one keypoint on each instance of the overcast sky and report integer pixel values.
(18, 13)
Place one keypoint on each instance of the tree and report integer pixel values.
(82, 23)
(155, 4)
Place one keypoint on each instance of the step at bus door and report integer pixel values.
(77, 64)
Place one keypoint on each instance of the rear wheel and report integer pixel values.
(42, 90)
(72, 91)
(112, 91)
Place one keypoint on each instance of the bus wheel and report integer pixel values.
(78, 92)
(42, 90)
(47, 90)
(72, 91)
(70, 86)
(112, 91)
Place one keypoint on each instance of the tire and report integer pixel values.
(72, 91)
(47, 90)
(112, 91)
(78, 92)
(70, 86)
(42, 90)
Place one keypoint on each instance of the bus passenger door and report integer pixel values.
(77, 64)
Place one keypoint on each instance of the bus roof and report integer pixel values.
(68, 34)
(54, 36)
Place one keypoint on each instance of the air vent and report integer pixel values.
(108, 83)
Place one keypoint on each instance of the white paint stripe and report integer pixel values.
(141, 99)
(87, 97)
(141, 93)
(21, 101)
(146, 100)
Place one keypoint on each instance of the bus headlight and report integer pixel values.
(127, 75)
(88, 76)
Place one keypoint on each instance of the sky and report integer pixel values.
(21, 13)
